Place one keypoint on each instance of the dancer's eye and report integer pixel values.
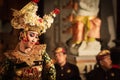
(32, 34)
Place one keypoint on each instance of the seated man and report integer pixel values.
(104, 69)
(64, 69)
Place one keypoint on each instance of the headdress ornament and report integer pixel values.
(27, 18)
(102, 54)
(60, 49)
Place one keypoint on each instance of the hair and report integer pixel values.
(22, 35)
(63, 50)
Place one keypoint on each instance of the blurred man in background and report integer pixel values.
(64, 69)
(104, 69)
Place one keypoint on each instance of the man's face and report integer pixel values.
(106, 62)
(60, 58)
(32, 38)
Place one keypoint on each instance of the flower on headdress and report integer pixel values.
(36, 1)
(56, 11)
(40, 20)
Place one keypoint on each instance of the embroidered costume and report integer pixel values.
(27, 66)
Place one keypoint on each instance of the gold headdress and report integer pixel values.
(60, 49)
(102, 54)
(27, 18)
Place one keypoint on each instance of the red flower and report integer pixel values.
(56, 11)
(40, 20)
(36, 1)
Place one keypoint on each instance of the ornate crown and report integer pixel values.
(27, 18)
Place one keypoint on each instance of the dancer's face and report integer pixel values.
(32, 38)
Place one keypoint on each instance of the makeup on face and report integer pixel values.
(33, 36)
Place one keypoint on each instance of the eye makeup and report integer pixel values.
(33, 34)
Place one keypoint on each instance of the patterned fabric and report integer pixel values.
(27, 66)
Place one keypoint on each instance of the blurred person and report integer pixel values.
(29, 60)
(64, 69)
(104, 69)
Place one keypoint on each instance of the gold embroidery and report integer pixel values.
(68, 71)
(29, 58)
(112, 74)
